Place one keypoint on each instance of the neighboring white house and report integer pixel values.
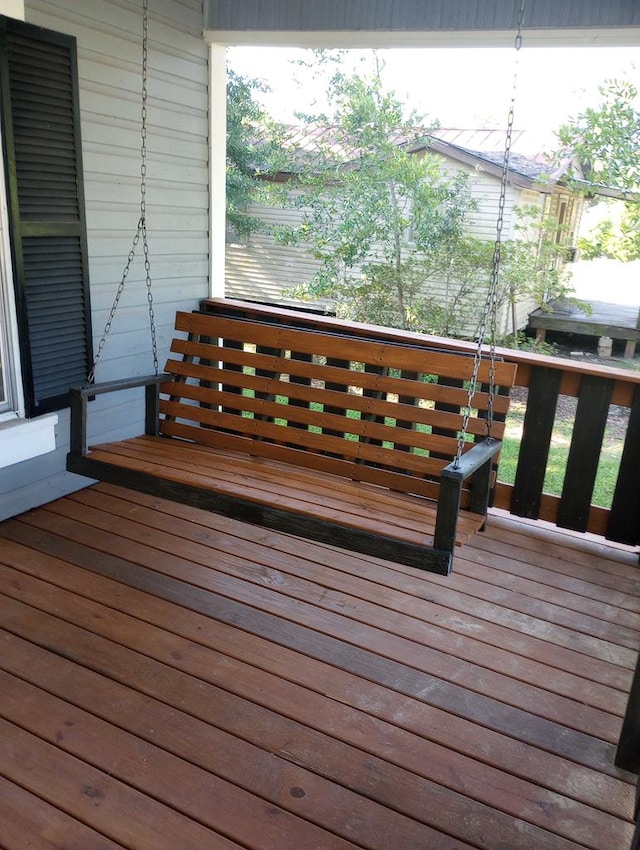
(259, 269)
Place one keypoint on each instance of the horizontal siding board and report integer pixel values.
(162, 87)
(116, 245)
(126, 136)
(170, 276)
(108, 26)
(101, 192)
(123, 164)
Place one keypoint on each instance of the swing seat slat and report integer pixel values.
(343, 440)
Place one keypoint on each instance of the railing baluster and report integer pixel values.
(405, 399)
(330, 385)
(298, 356)
(584, 453)
(226, 388)
(624, 519)
(536, 440)
(446, 408)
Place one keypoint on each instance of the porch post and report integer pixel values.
(628, 751)
(217, 166)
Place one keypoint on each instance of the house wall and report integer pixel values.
(524, 306)
(108, 33)
(258, 269)
(261, 270)
(485, 191)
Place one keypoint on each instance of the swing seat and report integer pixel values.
(339, 439)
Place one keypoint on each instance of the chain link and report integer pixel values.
(143, 182)
(141, 231)
(489, 315)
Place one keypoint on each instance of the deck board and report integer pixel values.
(415, 619)
(314, 627)
(28, 821)
(243, 688)
(620, 321)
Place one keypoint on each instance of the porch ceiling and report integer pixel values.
(406, 22)
(170, 678)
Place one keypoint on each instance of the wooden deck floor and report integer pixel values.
(172, 679)
(618, 321)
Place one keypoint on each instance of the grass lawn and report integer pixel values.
(609, 459)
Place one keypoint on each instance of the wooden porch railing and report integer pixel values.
(596, 389)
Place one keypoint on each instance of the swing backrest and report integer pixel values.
(358, 408)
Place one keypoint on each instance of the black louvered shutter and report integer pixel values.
(41, 130)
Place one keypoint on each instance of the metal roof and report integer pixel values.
(481, 148)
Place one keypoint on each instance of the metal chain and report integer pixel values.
(141, 230)
(142, 225)
(489, 316)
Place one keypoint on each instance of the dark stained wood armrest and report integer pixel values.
(476, 460)
(79, 397)
(472, 460)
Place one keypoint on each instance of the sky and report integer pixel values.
(460, 87)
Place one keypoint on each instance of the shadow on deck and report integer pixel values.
(173, 679)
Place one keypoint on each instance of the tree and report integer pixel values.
(605, 140)
(629, 243)
(615, 239)
(254, 150)
(380, 218)
(531, 265)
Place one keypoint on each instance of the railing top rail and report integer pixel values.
(524, 359)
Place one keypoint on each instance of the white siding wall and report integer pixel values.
(485, 190)
(262, 270)
(108, 34)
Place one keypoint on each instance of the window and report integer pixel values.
(39, 106)
(564, 233)
(5, 371)
(8, 401)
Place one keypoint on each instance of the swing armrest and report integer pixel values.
(478, 459)
(477, 463)
(79, 396)
(472, 460)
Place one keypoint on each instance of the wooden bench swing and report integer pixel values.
(339, 438)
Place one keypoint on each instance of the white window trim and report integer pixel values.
(24, 439)
(13, 373)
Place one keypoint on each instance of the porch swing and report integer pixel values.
(372, 440)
